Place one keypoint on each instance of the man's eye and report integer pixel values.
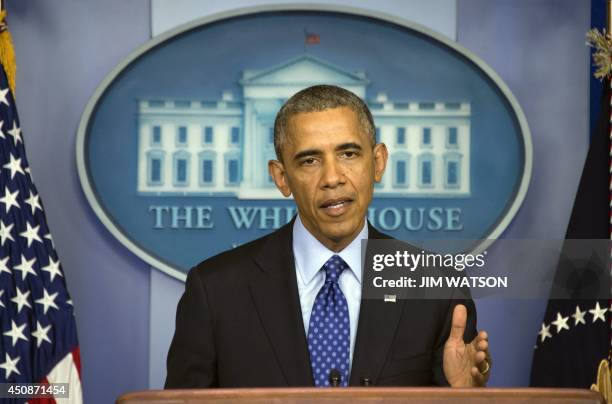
(308, 162)
(349, 154)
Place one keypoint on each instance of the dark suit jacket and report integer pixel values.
(239, 324)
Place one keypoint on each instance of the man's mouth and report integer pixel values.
(337, 206)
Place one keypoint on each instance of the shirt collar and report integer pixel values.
(310, 254)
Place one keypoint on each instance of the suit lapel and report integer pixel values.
(376, 329)
(275, 294)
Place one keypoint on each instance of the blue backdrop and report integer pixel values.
(65, 48)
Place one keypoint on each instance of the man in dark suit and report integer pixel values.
(288, 310)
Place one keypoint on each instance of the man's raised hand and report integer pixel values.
(465, 365)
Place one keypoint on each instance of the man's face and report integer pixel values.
(330, 167)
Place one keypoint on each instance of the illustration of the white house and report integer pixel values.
(222, 147)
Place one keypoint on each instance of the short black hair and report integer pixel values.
(319, 98)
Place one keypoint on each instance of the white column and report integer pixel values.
(249, 143)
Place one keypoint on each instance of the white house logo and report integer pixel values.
(222, 146)
(173, 147)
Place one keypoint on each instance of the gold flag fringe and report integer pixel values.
(7, 53)
(604, 379)
(602, 56)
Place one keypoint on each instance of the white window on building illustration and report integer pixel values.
(181, 168)
(400, 136)
(452, 170)
(426, 137)
(232, 169)
(207, 168)
(155, 167)
(452, 139)
(157, 103)
(426, 170)
(235, 135)
(207, 135)
(181, 136)
(156, 135)
(377, 135)
(427, 105)
(401, 162)
(182, 104)
(452, 105)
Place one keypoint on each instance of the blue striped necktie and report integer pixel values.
(329, 334)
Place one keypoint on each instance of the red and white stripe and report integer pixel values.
(68, 370)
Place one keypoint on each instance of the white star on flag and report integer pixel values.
(21, 299)
(15, 166)
(560, 323)
(47, 301)
(9, 199)
(598, 313)
(10, 365)
(33, 315)
(15, 132)
(41, 334)
(579, 316)
(31, 233)
(3, 94)
(545, 332)
(5, 232)
(53, 268)
(25, 267)
(4, 267)
(34, 202)
(50, 238)
(16, 332)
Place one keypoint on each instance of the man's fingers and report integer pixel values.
(481, 359)
(458, 323)
(477, 377)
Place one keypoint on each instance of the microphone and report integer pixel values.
(335, 378)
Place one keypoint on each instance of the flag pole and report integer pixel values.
(608, 29)
(608, 19)
(7, 54)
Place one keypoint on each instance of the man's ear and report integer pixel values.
(380, 160)
(277, 172)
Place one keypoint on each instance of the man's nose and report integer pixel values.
(333, 174)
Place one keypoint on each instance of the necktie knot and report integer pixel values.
(333, 268)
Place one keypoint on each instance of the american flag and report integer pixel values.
(311, 38)
(574, 338)
(39, 339)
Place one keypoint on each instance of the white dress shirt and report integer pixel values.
(310, 255)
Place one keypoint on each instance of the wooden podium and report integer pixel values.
(364, 395)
